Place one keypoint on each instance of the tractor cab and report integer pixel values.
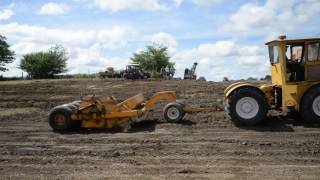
(294, 61)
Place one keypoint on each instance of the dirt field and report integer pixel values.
(202, 146)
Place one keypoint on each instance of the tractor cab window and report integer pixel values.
(274, 54)
(295, 62)
(314, 52)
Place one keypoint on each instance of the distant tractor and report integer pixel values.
(167, 73)
(191, 73)
(295, 70)
(135, 72)
(110, 73)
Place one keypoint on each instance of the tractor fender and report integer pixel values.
(235, 86)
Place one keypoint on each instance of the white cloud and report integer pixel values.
(150, 5)
(206, 2)
(117, 5)
(223, 58)
(42, 35)
(111, 38)
(164, 39)
(11, 5)
(114, 38)
(177, 3)
(207, 51)
(52, 8)
(251, 60)
(85, 48)
(7, 13)
(209, 57)
(84, 60)
(274, 17)
(21, 48)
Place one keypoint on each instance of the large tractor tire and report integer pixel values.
(310, 105)
(173, 112)
(60, 119)
(247, 106)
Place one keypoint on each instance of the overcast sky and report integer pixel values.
(226, 37)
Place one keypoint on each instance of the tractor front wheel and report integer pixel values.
(247, 106)
(310, 105)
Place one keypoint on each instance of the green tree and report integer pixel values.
(6, 55)
(110, 69)
(202, 78)
(42, 65)
(153, 58)
(252, 79)
(267, 77)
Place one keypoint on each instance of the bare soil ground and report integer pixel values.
(202, 146)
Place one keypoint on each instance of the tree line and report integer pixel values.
(47, 64)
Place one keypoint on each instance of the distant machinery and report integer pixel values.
(111, 74)
(135, 71)
(191, 73)
(168, 72)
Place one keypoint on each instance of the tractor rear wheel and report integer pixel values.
(247, 106)
(60, 119)
(173, 112)
(310, 105)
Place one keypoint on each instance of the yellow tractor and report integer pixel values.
(295, 87)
